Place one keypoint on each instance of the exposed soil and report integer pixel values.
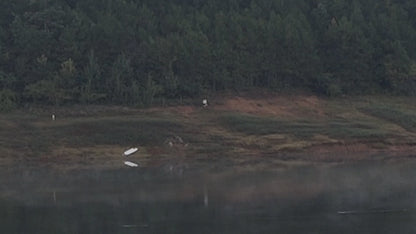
(282, 106)
(265, 105)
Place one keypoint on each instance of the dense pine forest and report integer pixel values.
(134, 52)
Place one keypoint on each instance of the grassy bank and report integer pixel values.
(234, 130)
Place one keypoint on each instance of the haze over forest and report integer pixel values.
(132, 52)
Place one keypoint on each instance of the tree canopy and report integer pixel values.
(135, 51)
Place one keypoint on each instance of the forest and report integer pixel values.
(137, 52)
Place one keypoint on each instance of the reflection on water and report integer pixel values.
(353, 198)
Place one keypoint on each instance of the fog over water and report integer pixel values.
(376, 197)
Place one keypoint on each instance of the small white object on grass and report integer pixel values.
(53, 117)
(130, 151)
(205, 102)
(131, 164)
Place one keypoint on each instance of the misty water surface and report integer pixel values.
(348, 198)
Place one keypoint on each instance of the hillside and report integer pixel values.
(140, 52)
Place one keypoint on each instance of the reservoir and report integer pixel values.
(364, 197)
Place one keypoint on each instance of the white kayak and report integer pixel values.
(130, 164)
(130, 151)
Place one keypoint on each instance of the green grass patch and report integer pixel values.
(304, 129)
(119, 131)
(355, 129)
(35, 139)
(406, 118)
(27, 138)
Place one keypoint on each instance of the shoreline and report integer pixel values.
(242, 131)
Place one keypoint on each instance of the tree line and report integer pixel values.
(133, 52)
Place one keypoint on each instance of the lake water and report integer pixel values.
(348, 198)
